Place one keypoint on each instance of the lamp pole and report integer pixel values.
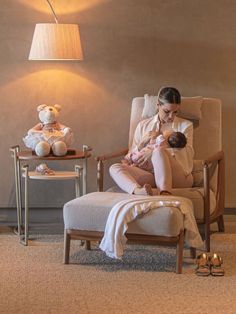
(53, 12)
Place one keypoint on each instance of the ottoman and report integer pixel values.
(85, 219)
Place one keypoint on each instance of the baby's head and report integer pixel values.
(177, 140)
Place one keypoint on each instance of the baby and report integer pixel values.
(168, 140)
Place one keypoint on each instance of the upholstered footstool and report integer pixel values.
(85, 219)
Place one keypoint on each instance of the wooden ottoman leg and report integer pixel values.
(221, 225)
(192, 252)
(87, 245)
(66, 247)
(207, 237)
(179, 252)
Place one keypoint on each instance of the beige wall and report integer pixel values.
(131, 47)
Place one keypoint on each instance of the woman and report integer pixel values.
(171, 169)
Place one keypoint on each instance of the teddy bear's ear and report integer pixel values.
(58, 107)
(41, 107)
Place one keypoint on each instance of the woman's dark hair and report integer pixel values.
(169, 95)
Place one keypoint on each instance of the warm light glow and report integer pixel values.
(53, 85)
(53, 41)
(63, 7)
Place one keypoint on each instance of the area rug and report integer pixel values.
(34, 280)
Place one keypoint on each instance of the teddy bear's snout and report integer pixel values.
(50, 109)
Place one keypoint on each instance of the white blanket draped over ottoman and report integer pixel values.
(126, 211)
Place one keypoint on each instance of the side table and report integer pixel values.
(79, 175)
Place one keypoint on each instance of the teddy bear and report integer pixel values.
(49, 135)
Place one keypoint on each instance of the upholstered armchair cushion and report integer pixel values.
(197, 173)
(190, 107)
(196, 195)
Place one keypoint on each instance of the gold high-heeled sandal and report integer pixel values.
(203, 265)
(216, 265)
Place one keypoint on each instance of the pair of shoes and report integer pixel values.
(209, 265)
(44, 170)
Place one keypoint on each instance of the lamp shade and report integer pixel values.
(53, 41)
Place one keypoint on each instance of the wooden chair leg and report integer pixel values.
(66, 247)
(207, 237)
(221, 224)
(87, 245)
(193, 252)
(179, 253)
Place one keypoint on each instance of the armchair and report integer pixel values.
(207, 193)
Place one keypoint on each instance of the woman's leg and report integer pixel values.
(179, 178)
(128, 178)
(168, 172)
(162, 169)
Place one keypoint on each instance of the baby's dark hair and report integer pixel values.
(177, 140)
(169, 95)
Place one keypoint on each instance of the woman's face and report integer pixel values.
(167, 112)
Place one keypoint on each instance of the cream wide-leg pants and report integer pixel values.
(168, 174)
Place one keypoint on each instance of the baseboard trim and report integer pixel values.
(39, 215)
(230, 211)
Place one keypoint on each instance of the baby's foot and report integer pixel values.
(146, 189)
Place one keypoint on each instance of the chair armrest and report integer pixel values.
(100, 165)
(210, 165)
(216, 157)
(118, 153)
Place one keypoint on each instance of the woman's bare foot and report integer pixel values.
(146, 189)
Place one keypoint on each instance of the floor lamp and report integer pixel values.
(56, 41)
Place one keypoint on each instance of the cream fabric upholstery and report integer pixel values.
(90, 212)
(195, 194)
(190, 107)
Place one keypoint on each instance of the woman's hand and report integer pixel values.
(144, 157)
(153, 134)
(125, 162)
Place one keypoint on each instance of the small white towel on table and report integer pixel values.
(126, 211)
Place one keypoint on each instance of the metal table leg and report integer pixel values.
(17, 172)
(86, 149)
(25, 237)
(78, 180)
